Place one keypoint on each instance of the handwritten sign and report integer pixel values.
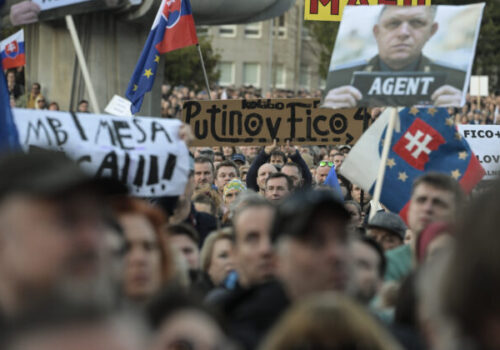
(259, 122)
(145, 153)
(484, 140)
(331, 10)
(51, 4)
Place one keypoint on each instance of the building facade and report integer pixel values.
(250, 55)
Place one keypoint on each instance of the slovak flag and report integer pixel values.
(172, 29)
(424, 139)
(12, 51)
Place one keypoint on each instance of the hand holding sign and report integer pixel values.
(342, 97)
(446, 96)
(405, 58)
(24, 13)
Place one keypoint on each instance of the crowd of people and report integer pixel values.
(267, 248)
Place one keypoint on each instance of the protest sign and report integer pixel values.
(478, 85)
(484, 140)
(119, 106)
(259, 122)
(51, 4)
(374, 65)
(145, 153)
(331, 10)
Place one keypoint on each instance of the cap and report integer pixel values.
(238, 157)
(390, 222)
(293, 217)
(341, 147)
(47, 173)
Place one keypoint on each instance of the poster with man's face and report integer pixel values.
(403, 56)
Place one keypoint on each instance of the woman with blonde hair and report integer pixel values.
(328, 321)
(216, 257)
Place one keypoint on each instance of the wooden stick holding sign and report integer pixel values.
(83, 65)
(385, 153)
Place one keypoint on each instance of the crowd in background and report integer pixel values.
(267, 248)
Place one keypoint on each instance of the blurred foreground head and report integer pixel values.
(328, 321)
(64, 327)
(472, 278)
(51, 232)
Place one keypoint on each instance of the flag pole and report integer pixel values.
(83, 65)
(204, 71)
(385, 153)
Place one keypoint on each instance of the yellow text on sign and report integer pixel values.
(331, 10)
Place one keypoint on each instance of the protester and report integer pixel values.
(203, 171)
(370, 263)
(225, 172)
(185, 240)
(313, 244)
(322, 172)
(51, 233)
(328, 321)
(435, 197)
(217, 255)
(83, 106)
(278, 187)
(148, 258)
(387, 229)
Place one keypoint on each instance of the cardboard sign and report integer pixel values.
(144, 153)
(119, 106)
(478, 85)
(377, 48)
(259, 122)
(397, 89)
(484, 140)
(331, 10)
(51, 4)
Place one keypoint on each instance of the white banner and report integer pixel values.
(145, 153)
(484, 140)
(50, 4)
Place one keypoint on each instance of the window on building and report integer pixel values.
(202, 30)
(228, 31)
(253, 30)
(280, 76)
(226, 70)
(304, 78)
(251, 74)
(279, 24)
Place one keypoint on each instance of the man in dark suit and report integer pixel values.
(400, 33)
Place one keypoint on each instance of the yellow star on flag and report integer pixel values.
(455, 174)
(458, 136)
(414, 111)
(391, 162)
(135, 87)
(157, 59)
(148, 73)
(462, 155)
(402, 176)
(450, 122)
(432, 111)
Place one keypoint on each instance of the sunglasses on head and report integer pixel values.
(325, 163)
